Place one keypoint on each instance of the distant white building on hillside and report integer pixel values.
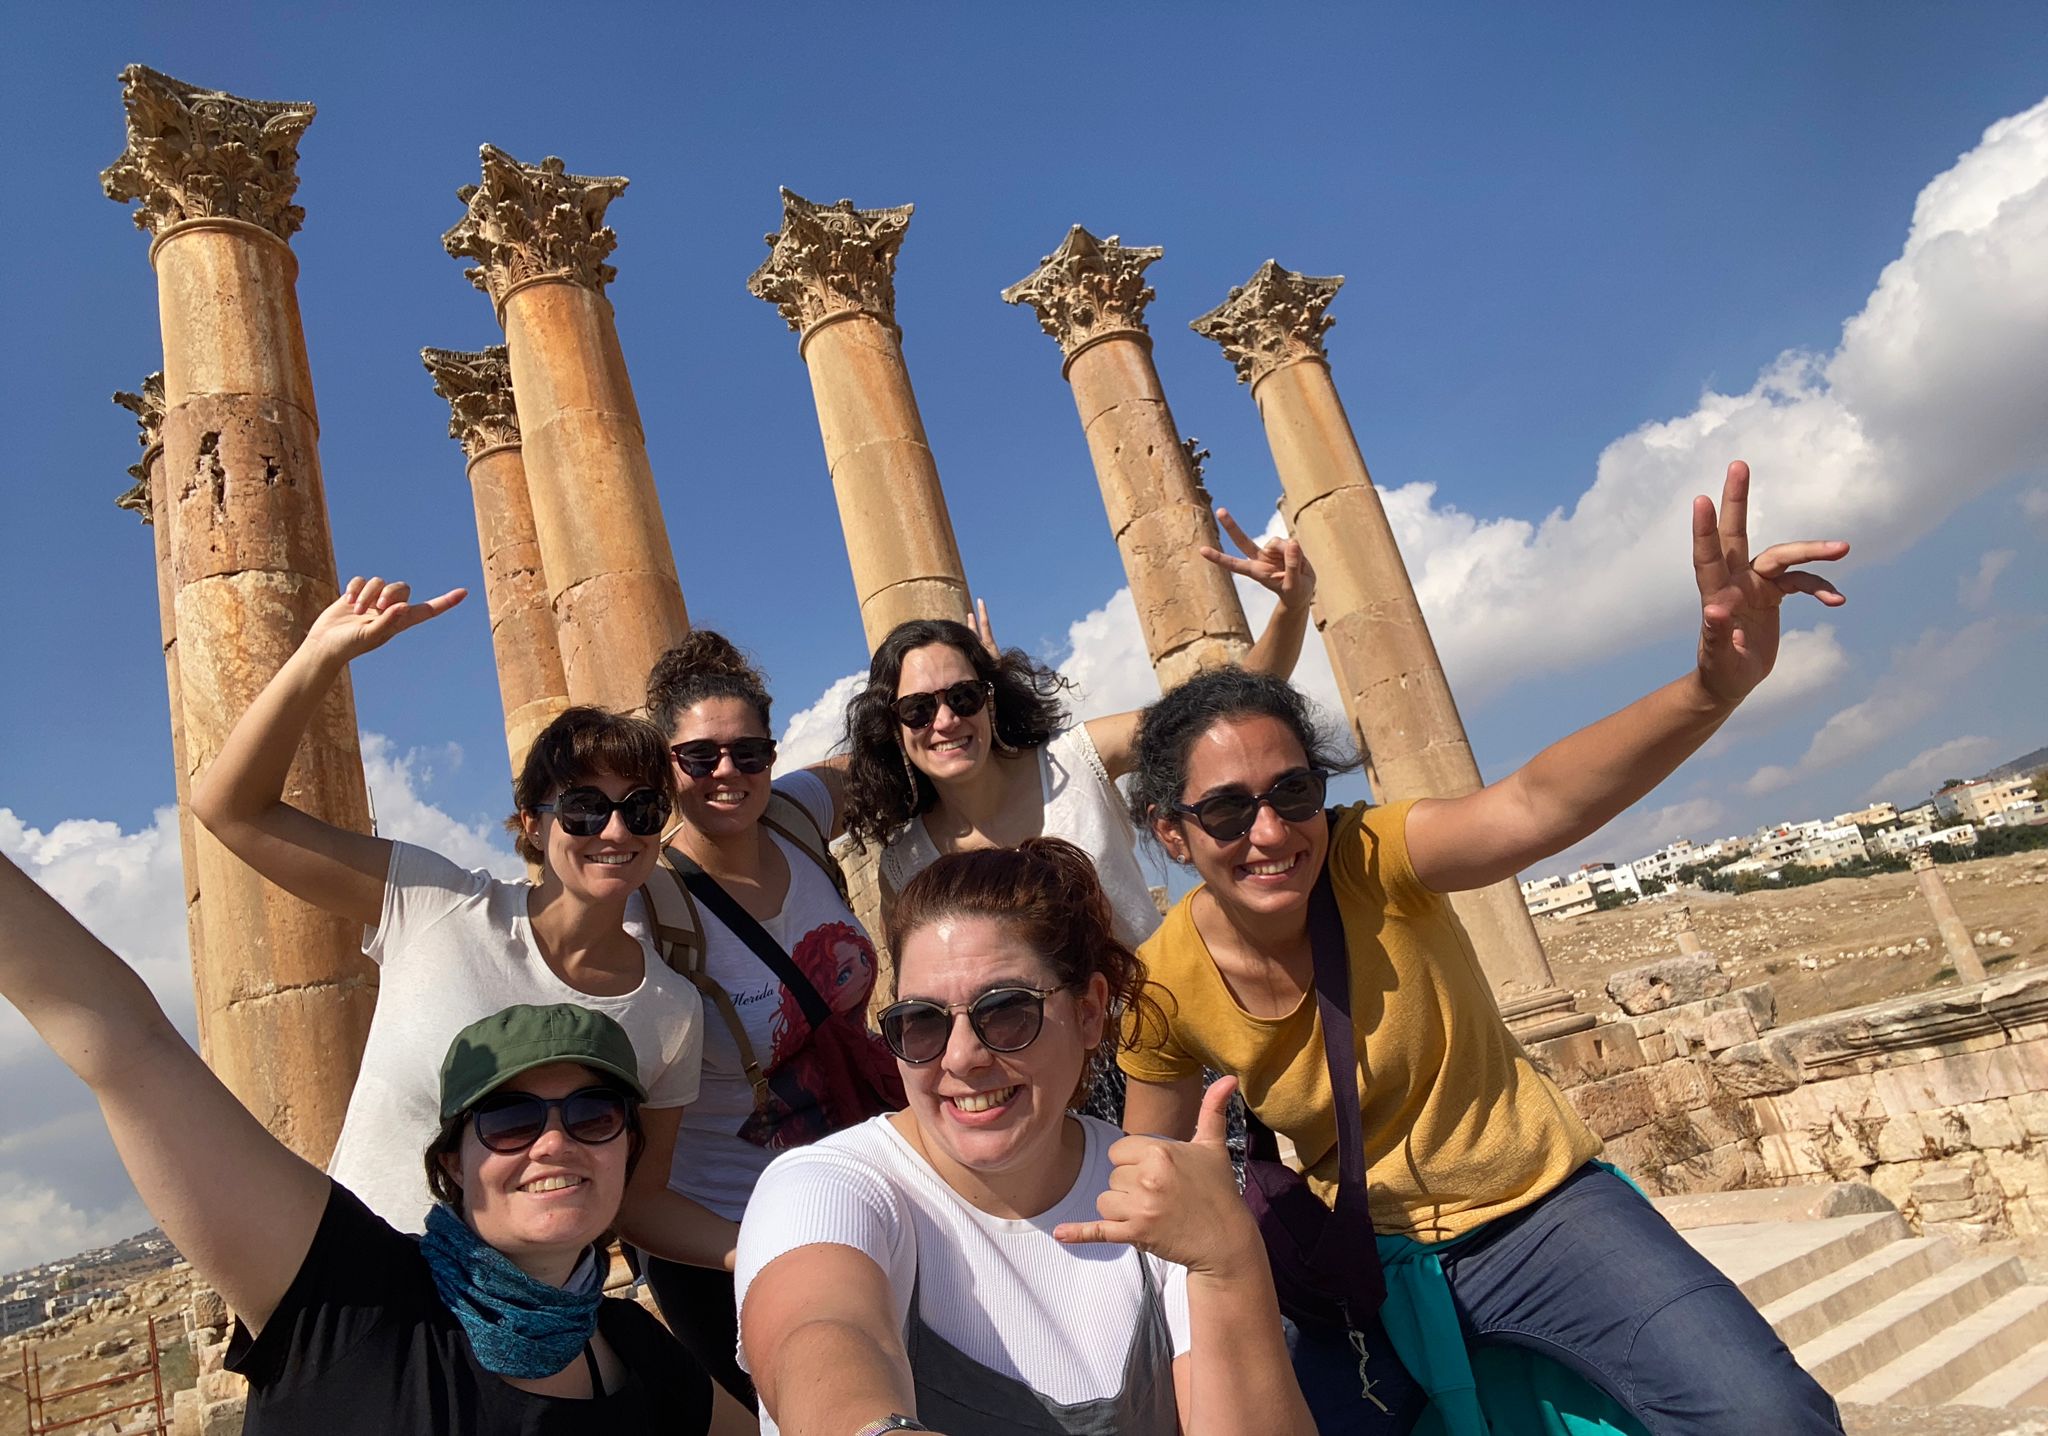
(1831, 847)
(1554, 897)
(1877, 815)
(1975, 802)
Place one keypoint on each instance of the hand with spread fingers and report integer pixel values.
(1277, 565)
(1177, 1200)
(369, 614)
(1740, 596)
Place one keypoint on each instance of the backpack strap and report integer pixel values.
(792, 821)
(679, 932)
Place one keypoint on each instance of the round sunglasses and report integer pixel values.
(513, 1121)
(584, 812)
(699, 757)
(966, 698)
(1229, 815)
(1004, 1019)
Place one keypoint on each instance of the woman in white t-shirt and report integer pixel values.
(956, 745)
(784, 964)
(453, 945)
(987, 1262)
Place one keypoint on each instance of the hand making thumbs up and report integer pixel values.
(1177, 1200)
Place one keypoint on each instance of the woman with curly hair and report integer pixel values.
(955, 745)
(750, 905)
(988, 1262)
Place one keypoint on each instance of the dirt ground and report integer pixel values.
(1828, 946)
(89, 1346)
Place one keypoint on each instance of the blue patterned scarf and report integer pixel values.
(519, 1325)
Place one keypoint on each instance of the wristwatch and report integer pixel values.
(891, 1422)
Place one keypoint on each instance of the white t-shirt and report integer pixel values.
(1081, 805)
(455, 946)
(1058, 1318)
(714, 1164)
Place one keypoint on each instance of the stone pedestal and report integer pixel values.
(539, 237)
(831, 272)
(151, 499)
(1955, 936)
(287, 990)
(531, 684)
(1271, 328)
(1090, 296)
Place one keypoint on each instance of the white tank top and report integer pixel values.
(1082, 806)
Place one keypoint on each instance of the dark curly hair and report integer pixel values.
(576, 747)
(1169, 728)
(1046, 889)
(880, 797)
(704, 665)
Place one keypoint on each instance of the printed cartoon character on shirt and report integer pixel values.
(825, 1079)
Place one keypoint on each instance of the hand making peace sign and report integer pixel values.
(1739, 596)
(1278, 565)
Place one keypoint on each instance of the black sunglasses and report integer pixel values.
(1229, 815)
(514, 1121)
(1006, 1019)
(584, 812)
(965, 698)
(699, 757)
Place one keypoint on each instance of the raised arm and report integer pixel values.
(824, 1343)
(1179, 1201)
(1575, 786)
(234, 1201)
(668, 1223)
(832, 773)
(240, 797)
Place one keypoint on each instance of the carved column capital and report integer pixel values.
(1088, 289)
(195, 153)
(529, 222)
(1273, 319)
(831, 259)
(478, 388)
(148, 409)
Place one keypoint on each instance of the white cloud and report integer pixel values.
(1811, 661)
(1920, 682)
(38, 1224)
(403, 814)
(1957, 758)
(1973, 591)
(1639, 832)
(2034, 505)
(814, 732)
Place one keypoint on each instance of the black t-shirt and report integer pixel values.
(361, 1345)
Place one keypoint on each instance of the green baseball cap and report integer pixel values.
(489, 1053)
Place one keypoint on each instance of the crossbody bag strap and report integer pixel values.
(748, 930)
(793, 822)
(1332, 960)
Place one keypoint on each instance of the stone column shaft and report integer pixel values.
(1393, 684)
(1955, 935)
(288, 992)
(831, 273)
(611, 575)
(1090, 296)
(531, 683)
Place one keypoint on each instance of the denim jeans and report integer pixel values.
(1594, 1279)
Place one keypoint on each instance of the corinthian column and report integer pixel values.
(478, 388)
(831, 272)
(539, 238)
(284, 990)
(1271, 328)
(150, 499)
(1090, 295)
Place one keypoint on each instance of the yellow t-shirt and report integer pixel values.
(1460, 1127)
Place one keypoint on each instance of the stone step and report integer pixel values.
(2021, 1382)
(1820, 1306)
(1844, 1356)
(1771, 1204)
(1771, 1260)
(1960, 1353)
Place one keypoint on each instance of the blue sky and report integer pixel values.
(1579, 243)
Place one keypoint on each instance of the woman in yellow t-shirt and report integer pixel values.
(1470, 1151)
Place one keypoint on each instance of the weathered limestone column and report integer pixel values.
(1271, 328)
(478, 388)
(831, 272)
(1688, 940)
(1090, 295)
(1955, 936)
(539, 238)
(287, 992)
(151, 499)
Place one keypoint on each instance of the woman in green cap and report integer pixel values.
(344, 1324)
